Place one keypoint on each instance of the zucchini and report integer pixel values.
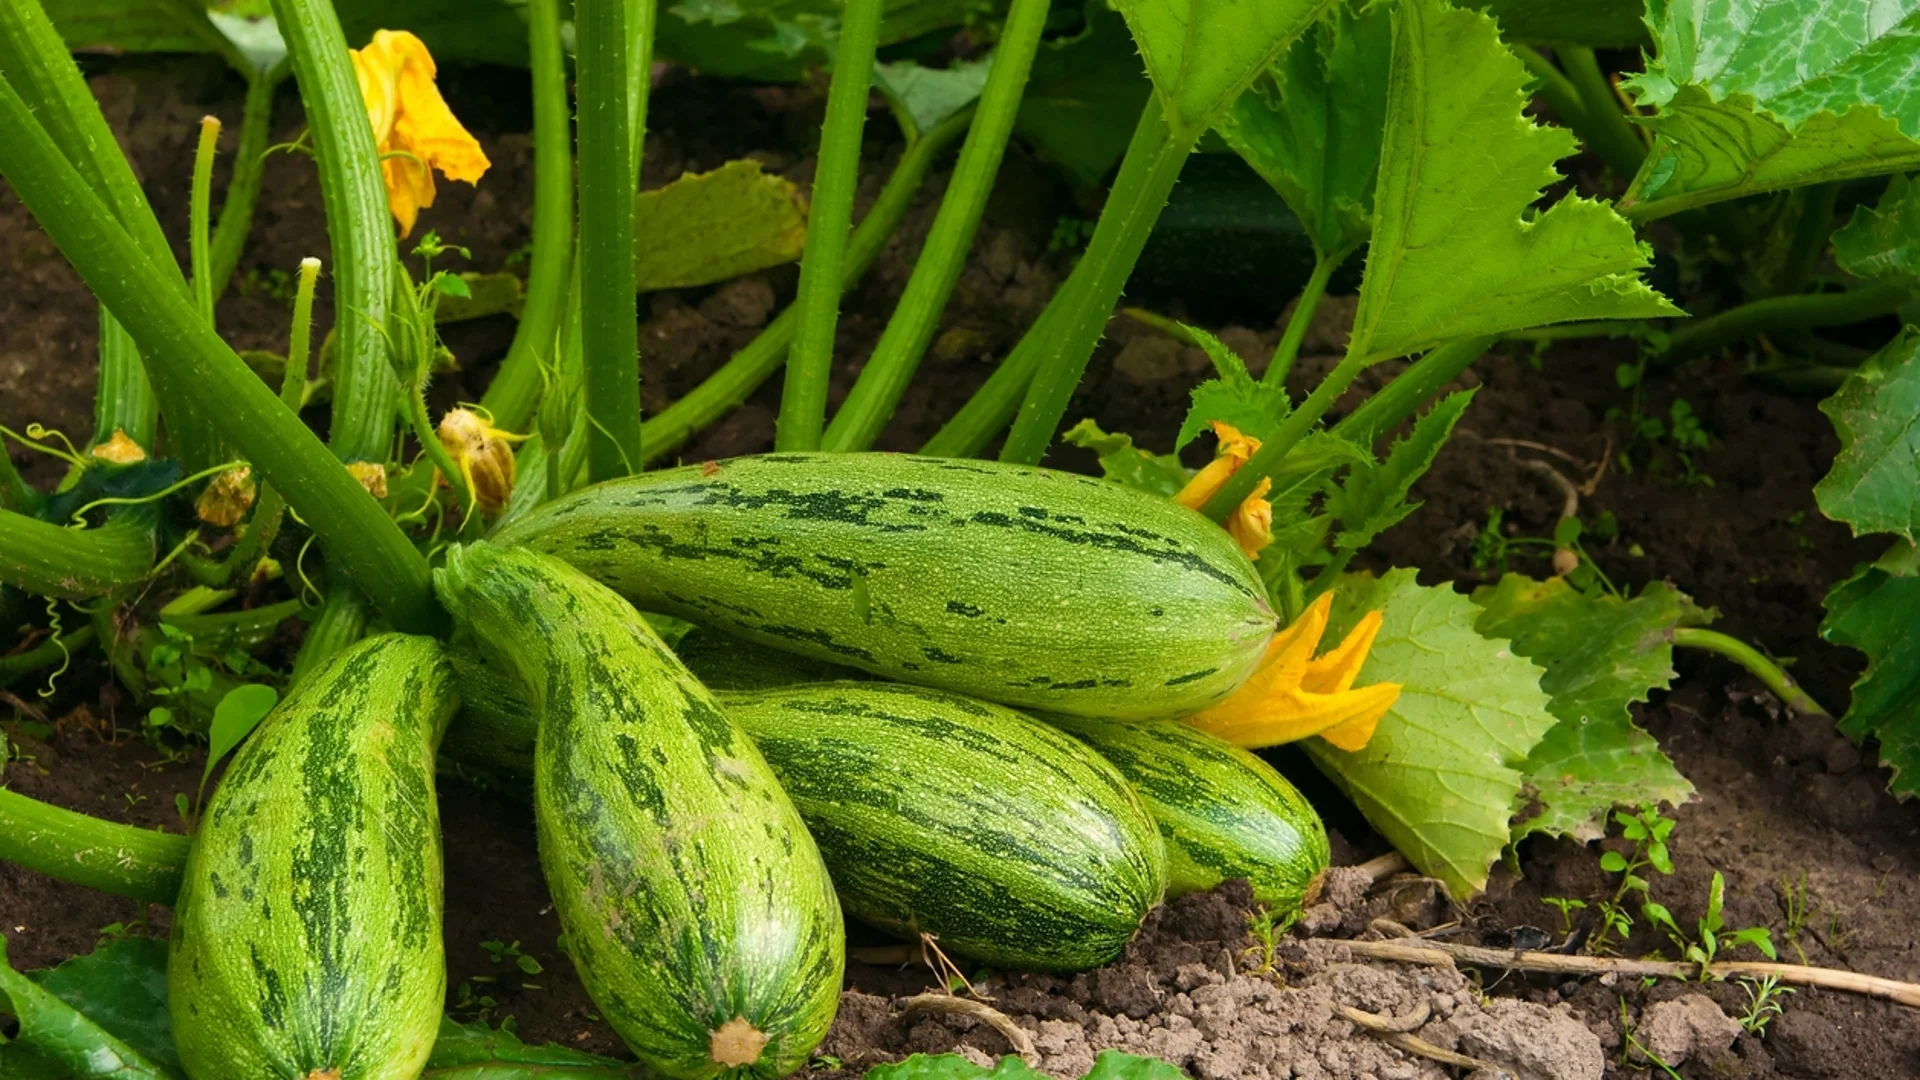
(697, 909)
(306, 937)
(1026, 586)
(1008, 841)
(1223, 812)
(724, 662)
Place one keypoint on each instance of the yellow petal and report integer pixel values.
(1335, 671)
(1251, 525)
(1371, 704)
(1233, 452)
(120, 450)
(413, 128)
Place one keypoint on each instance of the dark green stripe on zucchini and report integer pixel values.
(696, 906)
(306, 938)
(1026, 586)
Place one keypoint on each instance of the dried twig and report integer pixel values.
(947, 1003)
(1385, 866)
(1393, 1031)
(1436, 952)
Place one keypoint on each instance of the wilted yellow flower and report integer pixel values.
(413, 127)
(372, 476)
(1252, 522)
(227, 498)
(1294, 695)
(120, 450)
(484, 455)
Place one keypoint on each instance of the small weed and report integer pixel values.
(1070, 234)
(1763, 1003)
(272, 283)
(479, 1006)
(1793, 904)
(1681, 432)
(1267, 929)
(501, 952)
(1710, 938)
(1634, 1044)
(1647, 830)
(824, 1063)
(1566, 907)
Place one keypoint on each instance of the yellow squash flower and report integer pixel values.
(484, 455)
(120, 450)
(413, 127)
(1294, 695)
(1252, 522)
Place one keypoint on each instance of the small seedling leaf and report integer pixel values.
(240, 711)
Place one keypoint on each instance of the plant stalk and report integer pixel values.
(1301, 319)
(74, 564)
(51, 651)
(200, 216)
(342, 621)
(1294, 428)
(877, 392)
(609, 310)
(992, 406)
(124, 860)
(1606, 129)
(1554, 88)
(1147, 174)
(1775, 313)
(1810, 233)
(512, 396)
(1770, 674)
(123, 398)
(1410, 390)
(243, 184)
(803, 402)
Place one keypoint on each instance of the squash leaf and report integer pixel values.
(1374, 497)
(1083, 96)
(1873, 611)
(1756, 95)
(1883, 242)
(1874, 485)
(711, 226)
(1457, 250)
(56, 1040)
(1125, 463)
(921, 97)
(1597, 23)
(1601, 654)
(1202, 53)
(1443, 771)
(1236, 397)
(477, 1052)
(1310, 125)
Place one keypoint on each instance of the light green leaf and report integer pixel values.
(1083, 96)
(486, 294)
(121, 987)
(472, 31)
(51, 1029)
(1596, 23)
(1601, 654)
(778, 40)
(1125, 463)
(708, 227)
(1874, 611)
(1755, 95)
(1883, 243)
(1202, 53)
(240, 711)
(1374, 497)
(921, 97)
(1236, 397)
(1311, 125)
(1456, 249)
(1874, 485)
(1441, 775)
(477, 1052)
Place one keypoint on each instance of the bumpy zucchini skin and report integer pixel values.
(1223, 812)
(696, 906)
(1030, 587)
(1008, 841)
(306, 938)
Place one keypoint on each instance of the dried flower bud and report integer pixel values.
(483, 454)
(120, 450)
(372, 476)
(1565, 561)
(227, 499)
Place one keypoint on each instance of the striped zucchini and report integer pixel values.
(724, 662)
(696, 906)
(1223, 812)
(1025, 586)
(1007, 840)
(306, 938)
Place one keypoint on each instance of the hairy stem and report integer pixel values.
(1301, 319)
(1770, 674)
(1810, 232)
(608, 307)
(15, 666)
(68, 846)
(1776, 313)
(243, 184)
(1410, 390)
(200, 217)
(73, 564)
(1604, 128)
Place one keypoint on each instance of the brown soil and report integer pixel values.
(1781, 799)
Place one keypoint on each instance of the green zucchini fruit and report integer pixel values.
(306, 938)
(1008, 841)
(724, 662)
(696, 906)
(1223, 812)
(1026, 586)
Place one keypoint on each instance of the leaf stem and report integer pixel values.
(1810, 232)
(123, 397)
(608, 306)
(1770, 674)
(511, 397)
(200, 216)
(342, 621)
(803, 402)
(1147, 174)
(1294, 428)
(998, 399)
(1776, 313)
(877, 392)
(1410, 390)
(1604, 128)
(51, 651)
(243, 184)
(1554, 87)
(1301, 319)
(74, 564)
(124, 860)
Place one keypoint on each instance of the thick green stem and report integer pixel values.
(877, 392)
(243, 184)
(515, 390)
(1604, 128)
(1140, 190)
(641, 16)
(1553, 87)
(123, 398)
(68, 846)
(342, 621)
(359, 228)
(1757, 664)
(1294, 428)
(803, 402)
(1810, 232)
(1409, 390)
(175, 340)
(272, 506)
(609, 312)
(48, 653)
(1776, 313)
(200, 218)
(1302, 317)
(73, 564)
(992, 406)
(726, 388)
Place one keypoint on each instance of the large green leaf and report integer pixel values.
(1202, 53)
(778, 40)
(1442, 773)
(161, 26)
(1310, 125)
(1755, 95)
(711, 226)
(1601, 654)
(122, 987)
(1875, 611)
(53, 1032)
(921, 97)
(1124, 463)
(1883, 242)
(1874, 485)
(477, 1052)
(1457, 250)
(1083, 96)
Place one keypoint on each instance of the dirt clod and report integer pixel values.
(1673, 1031)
